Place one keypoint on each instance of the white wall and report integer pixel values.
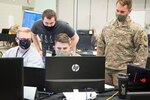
(10, 14)
(111, 10)
(65, 13)
(138, 4)
(20, 2)
(83, 14)
(147, 17)
(102, 11)
(148, 4)
(41, 5)
(139, 17)
(98, 14)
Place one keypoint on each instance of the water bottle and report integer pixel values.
(122, 84)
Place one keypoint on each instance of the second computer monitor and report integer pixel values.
(11, 77)
(34, 77)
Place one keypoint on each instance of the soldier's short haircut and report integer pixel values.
(125, 2)
(48, 13)
(63, 38)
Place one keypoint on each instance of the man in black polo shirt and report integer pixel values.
(47, 28)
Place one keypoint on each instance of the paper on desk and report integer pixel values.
(109, 86)
(29, 92)
(80, 95)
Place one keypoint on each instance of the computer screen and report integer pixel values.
(63, 74)
(34, 77)
(11, 77)
(139, 78)
(30, 17)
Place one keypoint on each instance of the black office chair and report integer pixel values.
(84, 43)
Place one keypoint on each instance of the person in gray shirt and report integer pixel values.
(47, 28)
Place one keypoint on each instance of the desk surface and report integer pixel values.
(60, 96)
(101, 96)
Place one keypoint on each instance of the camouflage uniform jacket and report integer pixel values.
(122, 45)
(64, 53)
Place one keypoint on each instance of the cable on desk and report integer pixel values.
(112, 95)
(46, 95)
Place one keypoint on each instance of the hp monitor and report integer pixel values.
(63, 74)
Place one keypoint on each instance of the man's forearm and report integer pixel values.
(74, 41)
(36, 42)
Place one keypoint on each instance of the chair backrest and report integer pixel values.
(84, 43)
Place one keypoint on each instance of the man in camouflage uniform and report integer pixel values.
(123, 42)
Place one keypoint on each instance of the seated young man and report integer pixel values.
(62, 45)
(24, 49)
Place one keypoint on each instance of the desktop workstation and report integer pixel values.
(60, 77)
(56, 75)
(45, 75)
(61, 82)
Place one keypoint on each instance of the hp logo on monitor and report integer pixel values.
(75, 67)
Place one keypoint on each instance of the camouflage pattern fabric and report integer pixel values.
(65, 53)
(122, 45)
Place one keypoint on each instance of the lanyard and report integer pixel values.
(23, 53)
